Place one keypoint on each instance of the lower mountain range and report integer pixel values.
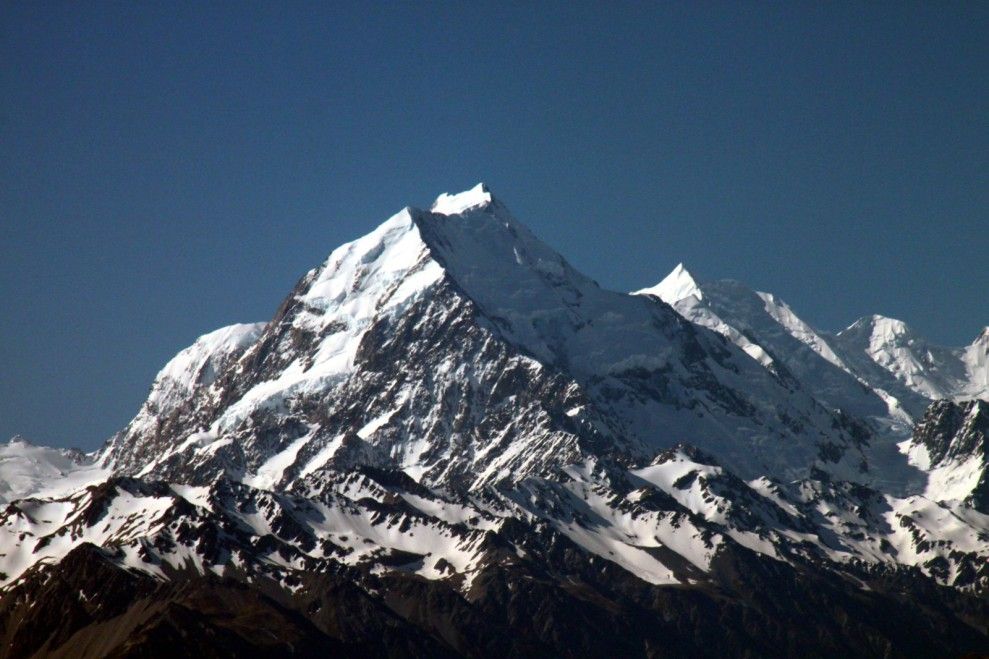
(449, 442)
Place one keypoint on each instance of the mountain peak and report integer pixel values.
(19, 440)
(676, 286)
(454, 204)
(879, 326)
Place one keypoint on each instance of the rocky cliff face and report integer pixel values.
(952, 443)
(449, 442)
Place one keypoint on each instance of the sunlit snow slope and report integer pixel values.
(446, 411)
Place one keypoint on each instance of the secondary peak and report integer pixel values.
(676, 286)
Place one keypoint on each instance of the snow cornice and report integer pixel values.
(461, 202)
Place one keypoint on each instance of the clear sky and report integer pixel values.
(170, 168)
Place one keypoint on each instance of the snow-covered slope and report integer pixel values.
(591, 539)
(877, 368)
(455, 345)
(445, 413)
(29, 470)
(676, 286)
(680, 290)
(665, 522)
(934, 372)
(951, 444)
(191, 372)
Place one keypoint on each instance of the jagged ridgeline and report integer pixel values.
(449, 442)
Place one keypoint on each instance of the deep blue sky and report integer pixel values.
(168, 168)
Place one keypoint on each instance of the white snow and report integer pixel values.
(371, 426)
(932, 371)
(453, 204)
(198, 496)
(27, 470)
(373, 277)
(322, 456)
(270, 474)
(676, 286)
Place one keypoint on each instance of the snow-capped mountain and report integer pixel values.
(934, 372)
(454, 345)
(29, 470)
(891, 362)
(447, 441)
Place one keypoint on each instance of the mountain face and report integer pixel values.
(934, 372)
(29, 470)
(455, 346)
(899, 372)
(951, 444)
(447, 441)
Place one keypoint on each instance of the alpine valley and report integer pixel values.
(448, 442)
